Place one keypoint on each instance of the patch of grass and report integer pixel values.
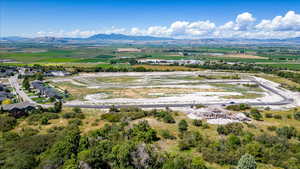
(169, 68)
(286, 83)
(289, 66)
(244, 96)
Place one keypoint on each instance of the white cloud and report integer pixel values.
(289, 22)
(227, 26)
(158, 31)
(244, 26)
(243, 21)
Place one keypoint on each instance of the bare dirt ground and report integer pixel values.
(247, 56)
(154, 88)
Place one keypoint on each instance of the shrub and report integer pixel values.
(233, 140)
(51, 116)
(255, 114)
(77, 110)
(182, 145)
(44, 121)
(205, 126)
(57, 107)
(247, 162)
(272, 128)
(198, 163)
(238, 107)
(267, 108)
(121, 116)
(189, 140)
(198, 106)
(7, 123)
(297, 115)
(10, 136)
(231, 128)
(182, 126)
(287, 132)
(277, 116)
(73, 115)
(113, 109)
(29, 131)
(269, 115)
(76, 122)
(130, 109)
(112, 117)
(168, 119)
(143, 132)
(167, 135)
(197, 122)
(36, 118)
(164, 115)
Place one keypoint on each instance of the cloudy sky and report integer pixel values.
(164, 18)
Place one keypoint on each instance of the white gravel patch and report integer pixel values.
(194, 98)
(68, 80)
(96, 96)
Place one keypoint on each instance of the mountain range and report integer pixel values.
(121, 38)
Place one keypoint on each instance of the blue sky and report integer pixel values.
(85, 17)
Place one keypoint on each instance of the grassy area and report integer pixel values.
(244, 96)
(168, 68)
(283, 81)
(289, 66)
(92, 121)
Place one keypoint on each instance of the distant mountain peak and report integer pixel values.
(114, 36)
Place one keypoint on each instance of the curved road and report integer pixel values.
(285, 100)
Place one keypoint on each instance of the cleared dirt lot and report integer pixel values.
(129, 88)
(246, 56)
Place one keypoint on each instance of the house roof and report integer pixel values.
(21, 105)
(48, 91)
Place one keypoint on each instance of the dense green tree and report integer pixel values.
(99, 155)
(143, 132)
(287, 132)
(182, 126)
(19, 160)
(233, 140)
(44, 120)
(39, 76)
(255, 114)
(26, 83)
(64, 149)
(57, 107)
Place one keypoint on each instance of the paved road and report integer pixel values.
(13, 80)
(285, 100)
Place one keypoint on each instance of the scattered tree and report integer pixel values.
(247, 162)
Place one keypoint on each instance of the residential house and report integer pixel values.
(44, 90)
(18, 109)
